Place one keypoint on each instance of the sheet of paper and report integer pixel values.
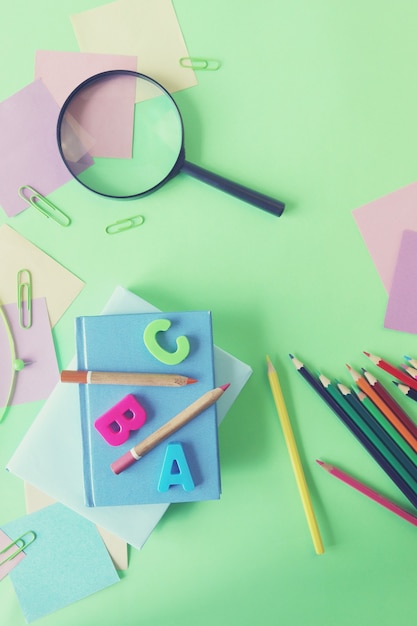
(117, 548)
(52, 461)
(401, 312)
(5, 542)
(67, 561)
(27, 128)
(148, 30)
(35, 345)
(49, 279)
(96, 129)
(382, 222)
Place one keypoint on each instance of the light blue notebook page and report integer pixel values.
(67, 561)
(50, 455)
(115, 343)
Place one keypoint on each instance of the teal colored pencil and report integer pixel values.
(378, 428)
(388, 456)
(380, 417)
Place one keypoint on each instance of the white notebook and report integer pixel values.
(50, 454)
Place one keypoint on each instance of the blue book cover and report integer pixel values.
(115, 343)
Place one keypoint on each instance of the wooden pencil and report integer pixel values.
(407, 391)
(386, 424)
(355, 430)
(367, 426)
(386, 397)
(167, 429)
(84, 377)
(391, 369)
(294, 456)
(384, 408)
(384, 441)
(368, 492)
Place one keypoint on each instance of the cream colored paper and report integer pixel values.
(148, 30)
(50, 280)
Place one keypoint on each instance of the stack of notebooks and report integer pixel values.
(64, 457)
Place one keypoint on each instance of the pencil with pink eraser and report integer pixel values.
(170, 427)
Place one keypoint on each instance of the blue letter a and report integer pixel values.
(175, 470)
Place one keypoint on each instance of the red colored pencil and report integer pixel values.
(394, 371)
(391, 402)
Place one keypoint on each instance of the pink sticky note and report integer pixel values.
(382, 222)
(401, 313)
(101, 133)
(29, 152)
(5, 541)
(37, 380)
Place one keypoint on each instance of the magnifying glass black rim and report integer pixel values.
(108, 74)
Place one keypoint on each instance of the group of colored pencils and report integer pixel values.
(379, 423)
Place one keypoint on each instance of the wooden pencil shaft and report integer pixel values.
(367, 444)
(175, 423)
(124, 378)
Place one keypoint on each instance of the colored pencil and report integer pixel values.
(411, 371)
(412, 362)
(386, 424)
(125, 378)
(355, 430)
(394, 371)
(167, 429)
(386, 397)
(384, 408)
(384, 441)
(407, 391)
(368, 427)
(367, 491)
(294, 456)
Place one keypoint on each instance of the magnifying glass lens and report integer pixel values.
(120, 134)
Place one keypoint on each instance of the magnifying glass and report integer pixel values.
(121, 135)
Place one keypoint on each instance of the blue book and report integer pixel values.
(116, 343)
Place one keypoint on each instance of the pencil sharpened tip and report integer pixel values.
(191, 381)
(367, 353)
(224, 387)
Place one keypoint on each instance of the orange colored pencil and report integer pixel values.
(383, 407)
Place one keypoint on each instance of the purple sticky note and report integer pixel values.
(35, 344)
(401, 312)
(29, 152)
(9, 548)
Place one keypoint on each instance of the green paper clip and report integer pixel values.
(24, 298)
(20, 548)
(198, 63)
(44, 206)
(125, 224)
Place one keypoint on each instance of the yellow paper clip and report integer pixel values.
(125, 224)
(198, 63)
(24, 298)
(45, 206)
(20, 548)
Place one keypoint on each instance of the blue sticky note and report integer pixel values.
(67, 561)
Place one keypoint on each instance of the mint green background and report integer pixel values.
(315, 103)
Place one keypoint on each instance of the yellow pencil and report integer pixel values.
(294, 456)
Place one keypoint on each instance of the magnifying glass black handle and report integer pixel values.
(259, 200)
